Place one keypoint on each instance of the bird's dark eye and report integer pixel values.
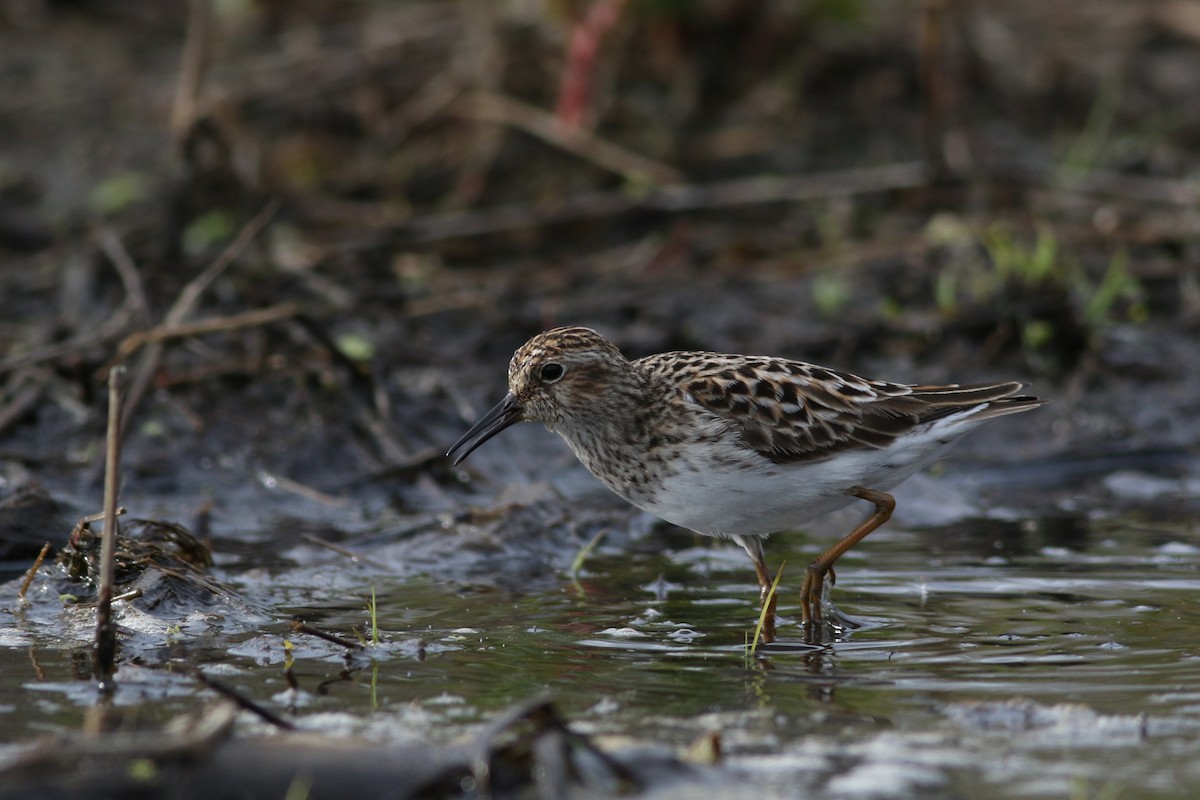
(552, 372)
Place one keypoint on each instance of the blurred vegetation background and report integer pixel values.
(939, 181)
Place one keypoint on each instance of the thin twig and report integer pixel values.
(133, 342)
(37, 564)
(297, 488)
(300, 626)
(504, 110)
(188, 298)
(242, 701)
(85, 523)
(106, 636)
(343, 551)
(127, 271)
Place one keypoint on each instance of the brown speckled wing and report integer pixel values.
(790, 411)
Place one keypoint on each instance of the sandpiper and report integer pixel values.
(737, 446)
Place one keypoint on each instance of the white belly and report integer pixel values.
(758, 497)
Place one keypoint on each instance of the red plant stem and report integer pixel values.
(582, 49)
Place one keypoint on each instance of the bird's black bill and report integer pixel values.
(506, 413)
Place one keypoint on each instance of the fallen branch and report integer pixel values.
(503, 110)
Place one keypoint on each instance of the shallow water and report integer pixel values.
(1055, 658)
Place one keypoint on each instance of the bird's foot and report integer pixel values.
(767, 634)
(811, 591)
(767, 615)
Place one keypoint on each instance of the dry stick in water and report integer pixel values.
(37, 564)
(105, 646)
(300, 626)
(243, 701)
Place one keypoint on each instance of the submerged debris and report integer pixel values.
(151, 556)
(527, 751)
